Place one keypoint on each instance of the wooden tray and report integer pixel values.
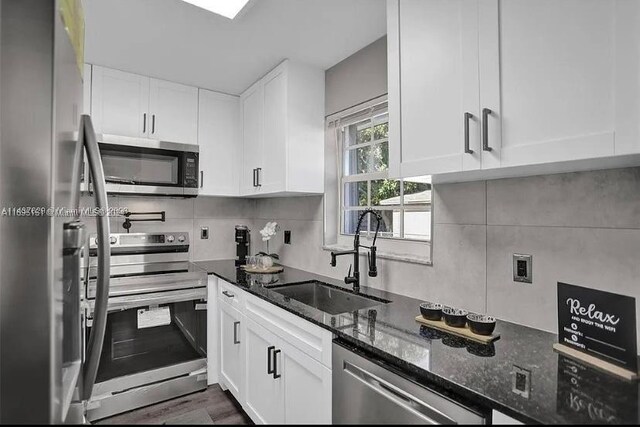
(596, 363)
(258, 270)
(461, 332)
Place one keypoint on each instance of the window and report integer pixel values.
(404, 205)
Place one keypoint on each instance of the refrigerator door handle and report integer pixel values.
(78, 170)
(96, 338)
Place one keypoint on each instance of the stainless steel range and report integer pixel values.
(155, 344)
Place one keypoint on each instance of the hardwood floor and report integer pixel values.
(220, 405)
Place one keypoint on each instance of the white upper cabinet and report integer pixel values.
(283, 132)
(128, 104)
(252, 110)
(174, 112)
(439, 85)
(219, 141)
(274, 158)
(119, 102)
(548, 76)
(541, 82)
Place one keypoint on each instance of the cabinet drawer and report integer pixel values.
(231, 295)
(305, 336)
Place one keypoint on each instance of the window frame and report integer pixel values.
(418, 252)
(370, 113)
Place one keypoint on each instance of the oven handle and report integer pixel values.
(96, 338)
(158, 298)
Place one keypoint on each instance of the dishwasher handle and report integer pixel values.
(407, 401)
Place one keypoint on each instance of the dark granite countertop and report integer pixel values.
(560, 390)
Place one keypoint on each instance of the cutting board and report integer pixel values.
(461, 332)
(258, 270)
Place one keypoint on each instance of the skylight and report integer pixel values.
(227, 8)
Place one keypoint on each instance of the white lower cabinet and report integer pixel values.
(307, 385)
(280, 370)
(232, 348)
(264, 384)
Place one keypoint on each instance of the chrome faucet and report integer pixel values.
(371, 256)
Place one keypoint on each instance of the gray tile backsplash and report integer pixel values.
(582, 228)
(606, 199)
(220, 214)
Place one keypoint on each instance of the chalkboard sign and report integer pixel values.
(601, 324)
(585, 396)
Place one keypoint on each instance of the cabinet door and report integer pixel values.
(307, 385)
(231, 349)
(252, 109)
(219, 143)
(273, 175)
(264, 394)
(439, 84)
(547, 71)
(119, 102)
(174, 112)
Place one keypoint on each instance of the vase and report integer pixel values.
(266, 262)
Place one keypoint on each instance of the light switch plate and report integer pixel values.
(522, 268)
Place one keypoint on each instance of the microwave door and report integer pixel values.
(142, 170)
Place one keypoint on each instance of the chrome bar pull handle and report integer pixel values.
(276, 375)
(467, 117)
(236, 340)
(258, 170)
(228, 294)
(201, 178)
(153, 124)
(485, 129)
(144, 123)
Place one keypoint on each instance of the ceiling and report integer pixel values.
(173, 40)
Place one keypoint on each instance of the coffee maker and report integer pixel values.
(243, 244)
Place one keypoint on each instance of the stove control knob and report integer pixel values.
(181, 238)
(113, 240)
(170, 238)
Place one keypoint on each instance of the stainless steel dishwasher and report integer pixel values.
(366, 393)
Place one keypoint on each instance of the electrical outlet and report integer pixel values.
(287, 237)
(522, 268)
(204, 233)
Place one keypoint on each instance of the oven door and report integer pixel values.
(154, 349)
(143, 166)
(155, 334)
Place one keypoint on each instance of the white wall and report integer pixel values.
(359, 78)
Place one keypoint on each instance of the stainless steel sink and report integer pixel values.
(327, 298)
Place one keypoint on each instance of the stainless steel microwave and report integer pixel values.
(149, 167)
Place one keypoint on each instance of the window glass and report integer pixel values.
(404, 205)
(356, 194)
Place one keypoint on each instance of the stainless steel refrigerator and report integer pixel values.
(47, 369)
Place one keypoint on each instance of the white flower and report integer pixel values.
(269, 231)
